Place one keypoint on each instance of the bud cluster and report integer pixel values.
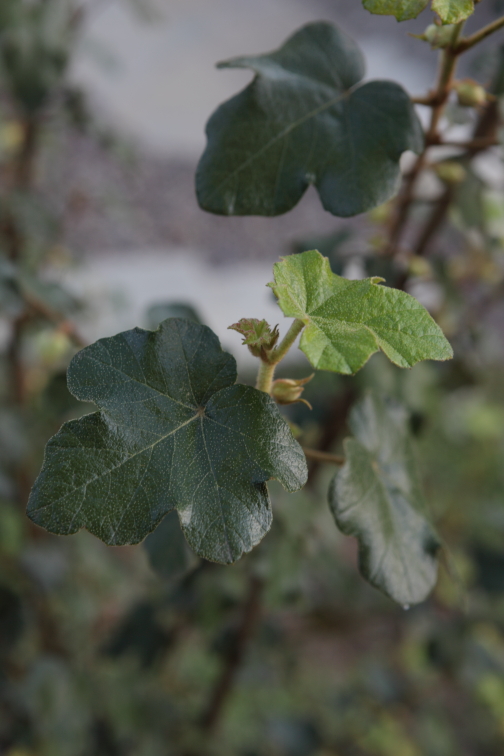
(258, 336)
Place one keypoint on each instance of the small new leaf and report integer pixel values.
(307, 119)
(258, 335)
(377, 498)
(348, 321)
(174, 431)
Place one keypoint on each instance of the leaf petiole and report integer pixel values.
(265, 376)
(267, 369)
(287, 341)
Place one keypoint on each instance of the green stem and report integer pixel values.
(267, 369)
(478, 36)
(286, 343)
(265, 376)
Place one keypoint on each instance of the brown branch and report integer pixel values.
(333, 459)
(478, 36)
(234, 657)
(15, 360)
(473, 145)
(434, 222)
(57, 318)
(334, 425)
(439, 98)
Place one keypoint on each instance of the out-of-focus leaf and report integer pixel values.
(11, 619)
(140, 634)
(19, 288)
(173, 433)
(11, 301)
(348, 321)
(306, 119)
(34, 50)
(12, 524)
(377, 497)
(163, 310)
(169, 554)
(468, 200)
(49, 293)
(490, 569)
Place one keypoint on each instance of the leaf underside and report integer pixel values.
(174, 431)
(449, 11)
(306, 119)
(377, 498)
(348, 321)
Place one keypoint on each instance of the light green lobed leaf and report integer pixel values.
(173, 432)
(449, 11)
(306, 119)
(377, 498)
(403, 10)
(453, 11)
(348, 321)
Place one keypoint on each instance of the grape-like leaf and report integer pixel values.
(348, 321)
(174, 431)
(377, 498)
(306, 119)
(449, 11)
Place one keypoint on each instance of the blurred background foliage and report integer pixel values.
(147, 651)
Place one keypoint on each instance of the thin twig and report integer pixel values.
(333, 459)
(234, 657)
(478, 36)
(439, 98)
(57, 318)
(473, 144)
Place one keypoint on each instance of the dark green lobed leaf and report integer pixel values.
(377, 498)
(173, 433)
(348, 321)
(305, 120)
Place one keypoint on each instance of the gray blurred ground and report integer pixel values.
(153, 83)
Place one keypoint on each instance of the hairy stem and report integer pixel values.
(265, 376)
(478, 36)
(287, 341)
(267, 368)
(334, 459)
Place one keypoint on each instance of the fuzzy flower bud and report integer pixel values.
(470, 94)
(289, 390)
